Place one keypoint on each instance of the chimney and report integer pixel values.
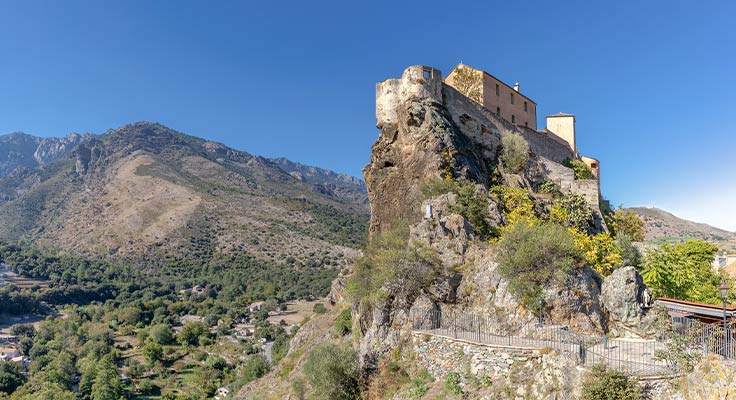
(516, 86)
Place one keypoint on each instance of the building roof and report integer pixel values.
(561, 114)
(502, 82)
(696, 308)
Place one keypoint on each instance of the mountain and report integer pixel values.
(22, 150)
(151, 195)
(332, 183)
(662, 226)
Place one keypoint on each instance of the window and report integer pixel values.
(512, 98)
(427, 73)
(525, 107)
(526, 124)
(513, 119)
(498, 110)
(498, 90)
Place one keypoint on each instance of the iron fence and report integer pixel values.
(706, 338)
(634, 357)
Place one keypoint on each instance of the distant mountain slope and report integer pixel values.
(152, 195)
(23, 150)
(340, 185)
(664, 225)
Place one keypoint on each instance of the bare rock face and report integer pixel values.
(623, 296)
(443, 230)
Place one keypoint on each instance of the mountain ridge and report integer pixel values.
(149, 194)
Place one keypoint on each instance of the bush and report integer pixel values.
(319, 308)
(514, 151)
(471, 202)
(604, 384)
(344, 322)
(254, 368)
(629, 224)
(391, 267)
(515, 203)
(332, 372)
(549, 187)
(452, 383)
(531, 255)
(573, 210)
(581, 170)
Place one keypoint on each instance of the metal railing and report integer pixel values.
(634, 357)
(706, 338)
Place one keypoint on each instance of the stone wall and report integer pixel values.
(514, 372)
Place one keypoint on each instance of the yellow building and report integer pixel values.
(494, 95)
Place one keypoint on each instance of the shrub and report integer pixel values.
(471, 202)
(473, 205)
(254, 368)
(604, 384)
(581, 170)
(452, 383)
(549, 187)
(392, 267)
(319, 308)
(530, 256)
(514, 151)
(344, 322)
(573, 210)
(332, 372)
(600, 251)
(515, 203)
(629, 253)
(629, 224)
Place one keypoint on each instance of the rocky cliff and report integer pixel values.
(429, 130)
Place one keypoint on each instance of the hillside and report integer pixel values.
(663, 226)
(146, 193)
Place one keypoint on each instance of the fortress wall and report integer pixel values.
(547, 146)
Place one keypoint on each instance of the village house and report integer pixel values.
(257, 306)
(9, 353)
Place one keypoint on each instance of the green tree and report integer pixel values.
(514, 151)
(254, 368)
(152, 352)
(332, 372)
(627, 223)
(107, 385)
(683, 271)
(161, 334)
(10, 377)
(191, 332)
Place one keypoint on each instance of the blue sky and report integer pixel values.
(650, 82)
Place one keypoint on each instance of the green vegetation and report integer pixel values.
(319, 308)
(472, 203)
(332, 371)
(573, 210)
(581, 170)
(604, 384)
(119, 320)
(391, 267)
(10, 377)
(627, 223)
(532, 255)
(344, 322)
(683, 271)
(452, 383)
(514, 152)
